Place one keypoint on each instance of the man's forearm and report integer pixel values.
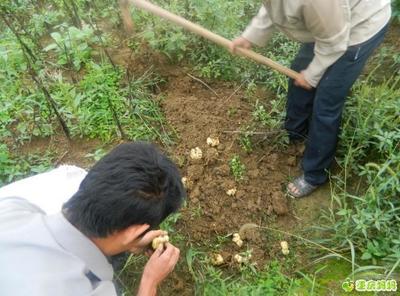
(147, 287)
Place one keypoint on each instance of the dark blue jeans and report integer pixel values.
(316, 115)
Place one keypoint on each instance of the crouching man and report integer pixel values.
(118, 207)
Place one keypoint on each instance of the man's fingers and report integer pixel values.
(169, 250)
(171, 256)
(172, 253)
(159, 251)
(235, 44)
(149, 236)
(232, 47)
(144, 227)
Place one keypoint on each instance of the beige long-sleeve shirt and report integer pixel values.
(333, 25)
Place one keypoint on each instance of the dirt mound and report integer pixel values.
(196, 112)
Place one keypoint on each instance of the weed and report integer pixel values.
(211, 281)
(245, 142)
(101, 106)
(238, 169)
(13, 168)
(169, 222)
(72, 45)
(27, 113)
(272, 118)
(368, 214)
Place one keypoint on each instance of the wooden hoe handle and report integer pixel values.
(192, 27)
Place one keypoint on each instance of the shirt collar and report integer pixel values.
(75, 242)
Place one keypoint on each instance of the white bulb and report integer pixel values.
(196, 153)
(212, 141)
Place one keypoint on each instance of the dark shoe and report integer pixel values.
(303, 188)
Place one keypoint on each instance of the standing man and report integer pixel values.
(338, 36)
(117, 208)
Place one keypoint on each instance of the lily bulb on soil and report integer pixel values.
(238, 258)
(196, 153)
(160, 240)
(231, 192)
(241, 259)
(212, 141)
(285, 248)
(217, 259)
(237, 239)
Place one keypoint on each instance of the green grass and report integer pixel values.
(210, 281)
(367, 212)
(13, 168)
(396, 9)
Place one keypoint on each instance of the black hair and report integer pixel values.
(133, 184)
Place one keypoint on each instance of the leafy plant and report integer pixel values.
(103, 106)
(237, 168)
(72, 45)
(25, 115)
(13, 168)
(245, 142)
(271, 118)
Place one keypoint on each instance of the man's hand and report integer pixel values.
(239, 42)
(159, 266)
(140, 244)
(302, 82)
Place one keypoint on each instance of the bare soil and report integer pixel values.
(196, 113)
(197, 109)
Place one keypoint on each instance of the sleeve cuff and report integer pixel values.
(319, 65)
(312, 76)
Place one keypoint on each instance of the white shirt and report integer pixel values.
(45, 255)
